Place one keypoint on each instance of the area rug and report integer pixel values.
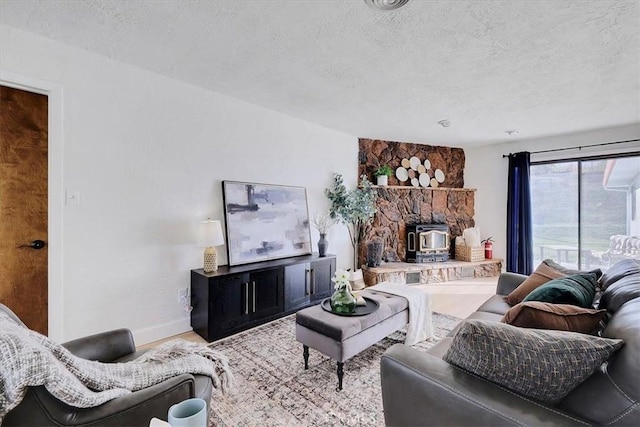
(273, 388)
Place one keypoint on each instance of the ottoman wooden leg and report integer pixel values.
(305, 354)
(340, 375)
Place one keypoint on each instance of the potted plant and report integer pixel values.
(382, 175)
(354, 208)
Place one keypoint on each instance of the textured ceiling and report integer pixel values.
(542, 67)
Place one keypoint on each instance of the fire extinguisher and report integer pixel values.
(488, 248)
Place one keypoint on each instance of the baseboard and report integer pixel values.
(163, 331)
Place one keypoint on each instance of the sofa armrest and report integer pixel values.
(103, 347)
(507, 282)
(419, 388)
(41, 408)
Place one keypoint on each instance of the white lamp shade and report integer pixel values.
(210, 233)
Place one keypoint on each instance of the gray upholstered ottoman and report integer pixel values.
(342, 337)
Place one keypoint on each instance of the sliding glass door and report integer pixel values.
(585, 212)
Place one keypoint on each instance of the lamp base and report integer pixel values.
(210, 259)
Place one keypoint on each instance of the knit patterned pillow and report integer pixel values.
(540, 364)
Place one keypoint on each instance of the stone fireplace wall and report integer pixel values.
(374, 153)
(401, 205)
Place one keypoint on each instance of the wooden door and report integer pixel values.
(23, 205)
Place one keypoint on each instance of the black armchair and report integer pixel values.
(39, 408)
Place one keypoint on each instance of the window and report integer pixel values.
(585, 211)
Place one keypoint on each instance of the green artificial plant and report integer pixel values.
(384, 170)
(354, 208)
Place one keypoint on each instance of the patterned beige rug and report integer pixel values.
(273, 388)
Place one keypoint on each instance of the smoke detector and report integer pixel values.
(511, 132)
(386, 5)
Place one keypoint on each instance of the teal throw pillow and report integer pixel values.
(578, 289)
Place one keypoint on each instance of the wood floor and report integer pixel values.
(459, 298)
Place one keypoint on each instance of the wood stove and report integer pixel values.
(427, 243)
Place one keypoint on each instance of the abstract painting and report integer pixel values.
(265, 222)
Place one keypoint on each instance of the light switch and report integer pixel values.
(73, 198)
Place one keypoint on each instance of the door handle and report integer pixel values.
(306, 281)
(36, 244)
(254, 295)
(313, 281)
(246, 298)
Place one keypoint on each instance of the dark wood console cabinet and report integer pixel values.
(233, 299)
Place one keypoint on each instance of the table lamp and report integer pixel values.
(210, 235)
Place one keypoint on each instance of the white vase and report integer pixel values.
(382, 180)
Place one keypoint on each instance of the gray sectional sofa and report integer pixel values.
(421, 389)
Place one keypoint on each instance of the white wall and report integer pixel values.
(487, 171)
(147, 154)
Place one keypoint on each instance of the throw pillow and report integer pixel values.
(578, 289)
(546, 271)
(543, 365)
(561, 317)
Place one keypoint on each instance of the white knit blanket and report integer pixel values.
(420, 325)
(29, 359)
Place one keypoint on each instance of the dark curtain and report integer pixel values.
(519, 234)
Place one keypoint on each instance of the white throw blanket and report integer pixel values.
(29, 359)
(420, 325)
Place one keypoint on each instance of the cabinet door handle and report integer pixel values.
(246, 298)
(313, 281)
(254, 295)
(306, 281)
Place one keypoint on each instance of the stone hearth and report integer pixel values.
(433, 272)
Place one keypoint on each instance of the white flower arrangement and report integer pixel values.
(341, 280)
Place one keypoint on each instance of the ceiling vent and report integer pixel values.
(386, 5)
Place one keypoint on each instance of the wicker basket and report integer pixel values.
(468, 253)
